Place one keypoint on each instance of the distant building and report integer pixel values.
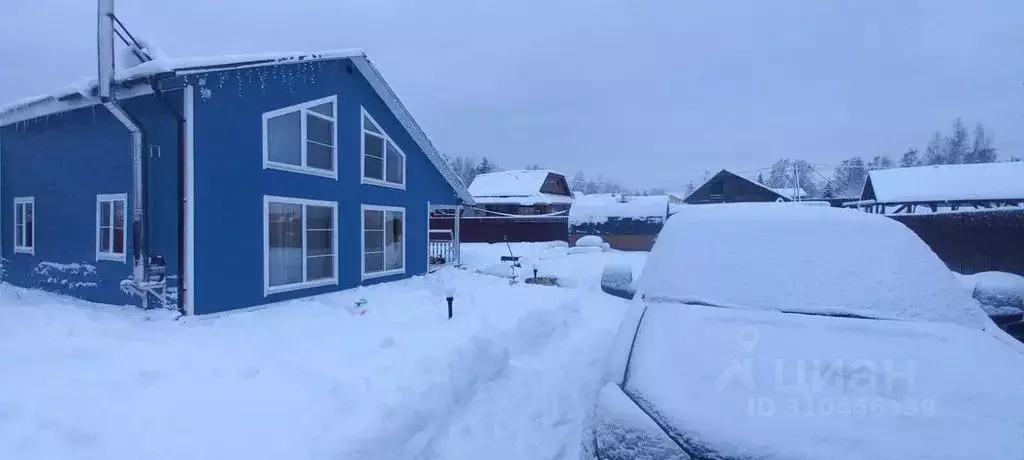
(515, 205)
(728, 187)
(628, 223)
(940, 188)
(971, 215)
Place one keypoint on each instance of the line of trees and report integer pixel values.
(847, 179)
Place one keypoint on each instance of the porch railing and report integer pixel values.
(441, 247)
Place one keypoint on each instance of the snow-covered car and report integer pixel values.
(773, 331)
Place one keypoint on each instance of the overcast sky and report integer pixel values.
(651, 93)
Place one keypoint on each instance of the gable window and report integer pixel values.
(383, 241)
(717, 188)
(25, 225)
(303, 138)
(111, 238)
(383, 161)
(299, 244)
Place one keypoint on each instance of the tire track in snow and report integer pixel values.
(535, 408)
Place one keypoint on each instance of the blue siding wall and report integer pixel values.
(64, 161)
(230, 180)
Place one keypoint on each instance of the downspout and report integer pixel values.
(105, 55)
(180, 119)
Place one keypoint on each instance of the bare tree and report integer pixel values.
(935, 154)
(981, 150)
(848, 178)
(910, 158)
(881, 162)
(957, 144)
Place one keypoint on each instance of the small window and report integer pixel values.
(717, 188)
(25, 225)
(302, 138)
(383, 241)
(300, 249)
(383, 161)
(111, 237)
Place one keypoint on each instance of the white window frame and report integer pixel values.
(267, 288)
(303, 110)
(22, 200)
(111, 255)
(362, 241)
(363, 115)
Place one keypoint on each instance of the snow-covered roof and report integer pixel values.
(986, 181)
(81, 94)
(599, 208)
(514, 187)
(790, 192)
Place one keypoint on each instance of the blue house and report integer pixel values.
(215, 184)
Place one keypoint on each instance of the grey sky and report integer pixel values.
(651, 93)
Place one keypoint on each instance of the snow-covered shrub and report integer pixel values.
(585, 249)
(64, 277)
(590, 241)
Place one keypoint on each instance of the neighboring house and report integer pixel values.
(515, 205)
(260, 178)
(728, 187)
(628, 223)
(972, 215)
(941, 188)
(520, 193)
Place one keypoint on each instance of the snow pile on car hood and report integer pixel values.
(782, 256)
(769, 385)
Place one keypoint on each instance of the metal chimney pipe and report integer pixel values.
(105, 45)
(137, 198)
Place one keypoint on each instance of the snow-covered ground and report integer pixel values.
(506, 378)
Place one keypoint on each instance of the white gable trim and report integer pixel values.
(390, 99)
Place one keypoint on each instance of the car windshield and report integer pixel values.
(748, 255)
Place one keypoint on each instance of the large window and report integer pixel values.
(300, 248)
(383, 161)
(25, 225)
(302, 138)
(111, 238)
(383, 241)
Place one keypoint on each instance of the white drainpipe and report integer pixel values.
(105, 54)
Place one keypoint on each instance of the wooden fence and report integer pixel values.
(971, 242)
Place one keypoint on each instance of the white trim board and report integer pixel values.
(362, 241)
(269, 290)
(303, 111)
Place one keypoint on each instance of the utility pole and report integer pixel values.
(796, 174)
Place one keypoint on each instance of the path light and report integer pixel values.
(449, 295)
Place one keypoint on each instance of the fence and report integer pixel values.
(515, 229)
(971, 242)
